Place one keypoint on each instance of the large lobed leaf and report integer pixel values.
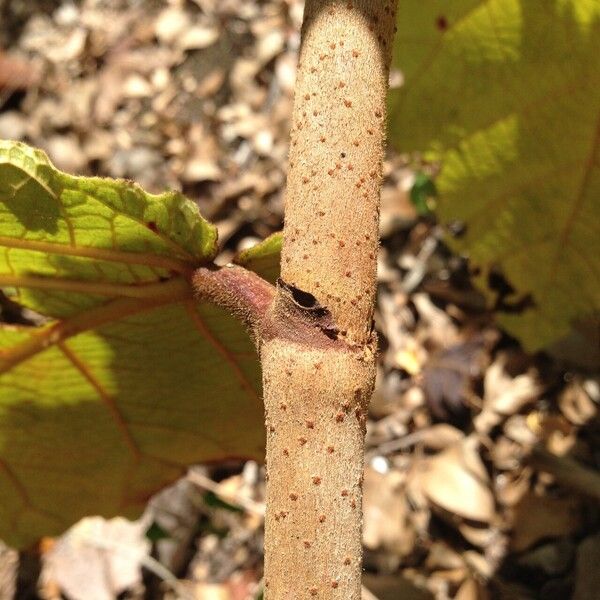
(505, 94)
(130, 379)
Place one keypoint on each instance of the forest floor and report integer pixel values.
(482, 461)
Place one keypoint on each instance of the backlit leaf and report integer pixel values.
(130, 379)
(505, 94)
(264, 257)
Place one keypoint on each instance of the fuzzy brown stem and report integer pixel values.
(317, 387)
(315, 402)
(332, 198)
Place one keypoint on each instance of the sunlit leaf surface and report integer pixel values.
(505, 94)
(128, 379)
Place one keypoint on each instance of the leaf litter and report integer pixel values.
(197, 96)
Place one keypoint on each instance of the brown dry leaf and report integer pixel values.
(537, 517)
(212, 591)
(393, 587)
(456, 480)
(479, 564)
(442, 556)
(511, 487)
(576, 404)
(16, 73)
(98, 559)
(517, 429)
(507, 454)
(411, 357)
(448, 377)
(436, 324)
(386, 515)
(171, 24)
(440, 436)
(9, 564)
(478, 536)
(269, 46)
(285, 71)
(471, 590)
(397, 210)
(198, 37)
(211, 83)
(506, 395)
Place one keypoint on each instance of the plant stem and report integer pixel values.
(334, 179)
(317, 387)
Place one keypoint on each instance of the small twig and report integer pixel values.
(416, 274)
(246, 504)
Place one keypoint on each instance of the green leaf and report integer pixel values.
(130, 380)
(505, 94)
(213, 501)
(421, 193)
(263, 258)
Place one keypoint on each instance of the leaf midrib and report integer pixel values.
(105, 254)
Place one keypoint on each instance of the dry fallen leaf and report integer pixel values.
(456, 480)
(98, 559)
(16, 73)
(448, 376)
(9, 564)
(386, 514)
(471, 590)
(538, 517)
(171, 24)
(576, 405)
(506, 395)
